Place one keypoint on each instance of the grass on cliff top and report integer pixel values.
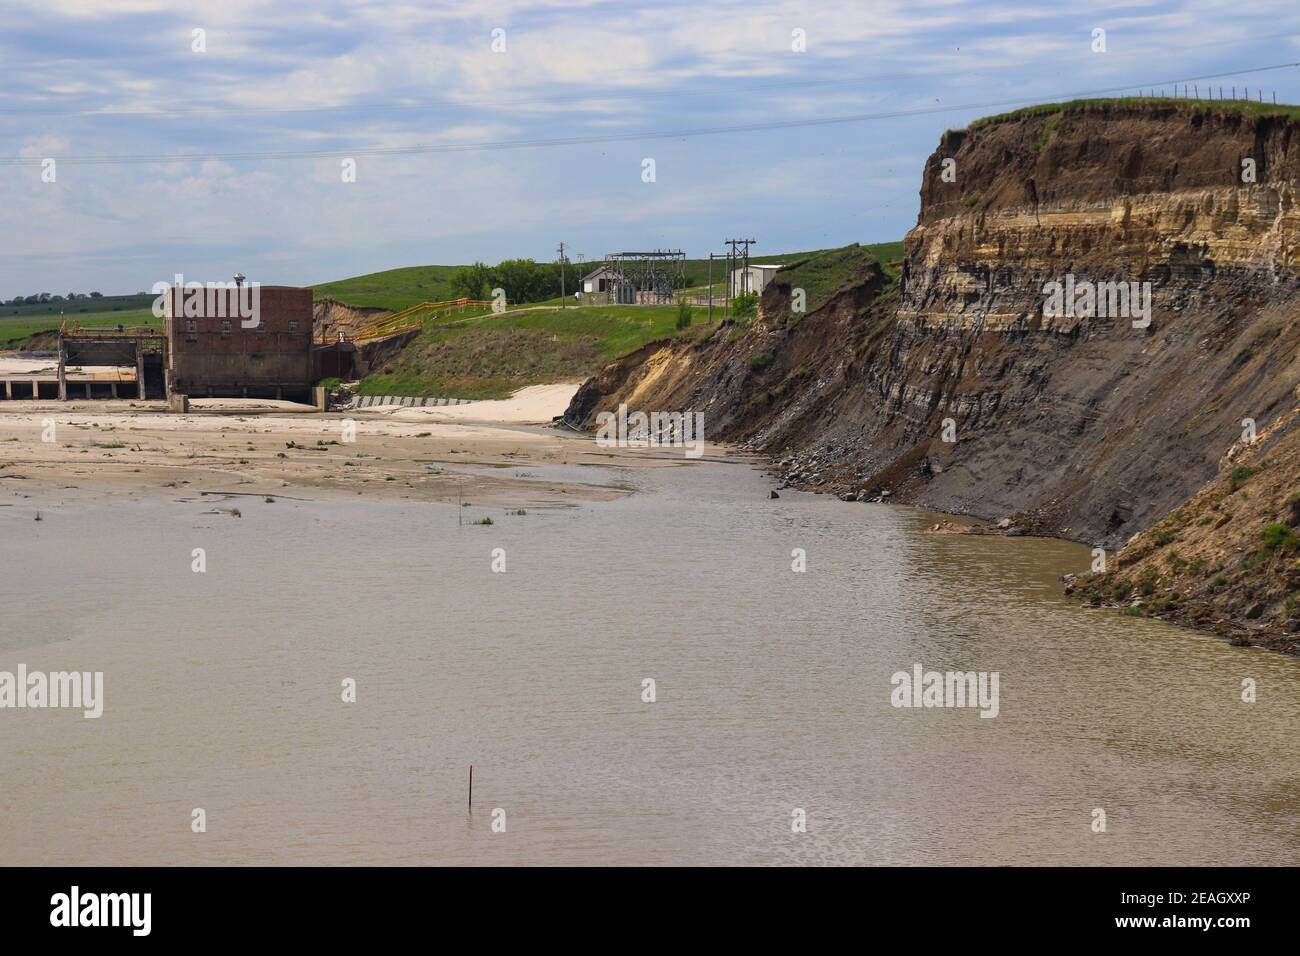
(823, 275)
(1213, 107)
(491, 356)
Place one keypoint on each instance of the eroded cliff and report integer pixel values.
(1093, 427)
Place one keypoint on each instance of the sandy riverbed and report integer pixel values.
(480, 453)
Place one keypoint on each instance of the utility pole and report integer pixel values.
(562, 298)
(710, 288)
(734, 262)
(726, 296)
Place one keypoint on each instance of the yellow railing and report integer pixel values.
(406, 320)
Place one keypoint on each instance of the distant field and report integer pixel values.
(19, 322)
(15, 331)
(108, 303)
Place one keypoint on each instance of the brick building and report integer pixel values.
(232, 343)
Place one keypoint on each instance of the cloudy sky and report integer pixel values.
(169, 159)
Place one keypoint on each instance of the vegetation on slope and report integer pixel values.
(822, 275)
(1228, 560)
(493, 355)
(480, 354)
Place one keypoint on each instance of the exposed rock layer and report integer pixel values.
(1081, 426)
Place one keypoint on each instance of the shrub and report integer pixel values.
(744, 306)
(1238, 475)
(1147, 583)
(683, 314)
(760, 361)
(1277, 535)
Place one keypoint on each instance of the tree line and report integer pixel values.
(522, 279)
(41, 298)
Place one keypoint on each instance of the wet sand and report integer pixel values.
(478, 453)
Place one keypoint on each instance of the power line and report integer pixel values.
(424, 149)
(844, 83)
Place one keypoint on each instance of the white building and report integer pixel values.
(600, 279)
(753, 279)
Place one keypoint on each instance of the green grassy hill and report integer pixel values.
(491, 356)
(393, 289)
(397, 289)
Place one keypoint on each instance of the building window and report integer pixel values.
(191, 330)
(293, 326)
(225, 328)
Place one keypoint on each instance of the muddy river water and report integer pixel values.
(772, 690)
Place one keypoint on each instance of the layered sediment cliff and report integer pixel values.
(1090, 426)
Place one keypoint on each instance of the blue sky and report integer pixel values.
(89, 79)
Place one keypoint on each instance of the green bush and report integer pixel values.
(1238, 475)
(1147, 583)
(1277, 535)
(683, 314)
(744, 306)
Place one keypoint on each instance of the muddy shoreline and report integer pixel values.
(77, 451)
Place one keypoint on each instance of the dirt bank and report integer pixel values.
(951, 389)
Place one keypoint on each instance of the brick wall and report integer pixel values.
(212, 355)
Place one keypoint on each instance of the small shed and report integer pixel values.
(752, 279)
(600, 279)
